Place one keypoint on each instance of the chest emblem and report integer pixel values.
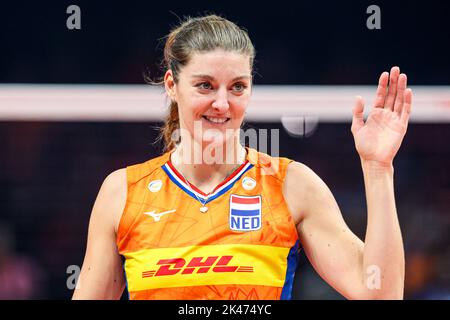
(245, 213)
(155, 185)
(248, 183)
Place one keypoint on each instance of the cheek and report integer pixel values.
(240, 113)
(240, 106)
(193, 107)
(198, 105)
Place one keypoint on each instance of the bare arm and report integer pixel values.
(102, 275)
(383, 255)
(373, 269)
(336, 253)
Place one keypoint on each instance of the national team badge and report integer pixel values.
(155, 185)
(248, 183)
(245, 213)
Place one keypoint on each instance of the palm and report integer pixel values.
(380, 136)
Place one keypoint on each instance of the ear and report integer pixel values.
(169, 84)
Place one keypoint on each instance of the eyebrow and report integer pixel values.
(205, 76)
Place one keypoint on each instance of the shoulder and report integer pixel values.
(114, 183)
(113, 194)
(137, 172)
(116, 180)
(302, 188)
(112, 198)
(300, 175)
(269, 165)
(114, 187)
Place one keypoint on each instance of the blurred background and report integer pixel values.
(51, 167)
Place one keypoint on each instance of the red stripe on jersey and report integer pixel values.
(240, 200)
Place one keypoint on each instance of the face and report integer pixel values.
(212, 92)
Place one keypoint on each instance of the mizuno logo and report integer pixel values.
(157, 216)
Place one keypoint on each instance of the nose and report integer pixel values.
(220, 103)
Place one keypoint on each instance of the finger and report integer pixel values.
(392, 89)
(381, 90)
(399, 99)
(406, 106)
(358, 114)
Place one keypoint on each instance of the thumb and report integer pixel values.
(358, 114)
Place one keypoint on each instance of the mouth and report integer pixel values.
(216, 120)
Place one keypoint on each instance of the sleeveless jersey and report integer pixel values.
(244, 247)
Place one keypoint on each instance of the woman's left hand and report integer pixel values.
(378, 139)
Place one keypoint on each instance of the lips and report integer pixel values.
(216, 120)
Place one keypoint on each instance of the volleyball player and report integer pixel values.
(174, 228)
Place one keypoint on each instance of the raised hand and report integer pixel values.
(378, 138)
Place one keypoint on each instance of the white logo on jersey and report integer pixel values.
(248, 183)
(155, 185)
(157, 216)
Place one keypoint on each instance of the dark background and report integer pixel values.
(297, 42)
(51, 171)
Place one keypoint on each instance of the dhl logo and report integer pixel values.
(170, 267)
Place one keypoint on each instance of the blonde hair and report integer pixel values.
(196, 35)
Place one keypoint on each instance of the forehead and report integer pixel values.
(218, 63)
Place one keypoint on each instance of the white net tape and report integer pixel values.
(23, 102)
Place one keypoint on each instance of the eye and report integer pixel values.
(204, 85)
(239, 87)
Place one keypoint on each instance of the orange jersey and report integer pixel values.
(245, 246)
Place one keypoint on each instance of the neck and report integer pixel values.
(207, 166)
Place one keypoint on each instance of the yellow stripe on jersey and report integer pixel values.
(206, 265)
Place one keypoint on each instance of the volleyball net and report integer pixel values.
(144, 103)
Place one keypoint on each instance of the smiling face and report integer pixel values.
(212, 91)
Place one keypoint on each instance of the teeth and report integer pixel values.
(217, 120)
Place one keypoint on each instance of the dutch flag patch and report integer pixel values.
(245, 213)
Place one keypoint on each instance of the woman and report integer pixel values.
(187, 229)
